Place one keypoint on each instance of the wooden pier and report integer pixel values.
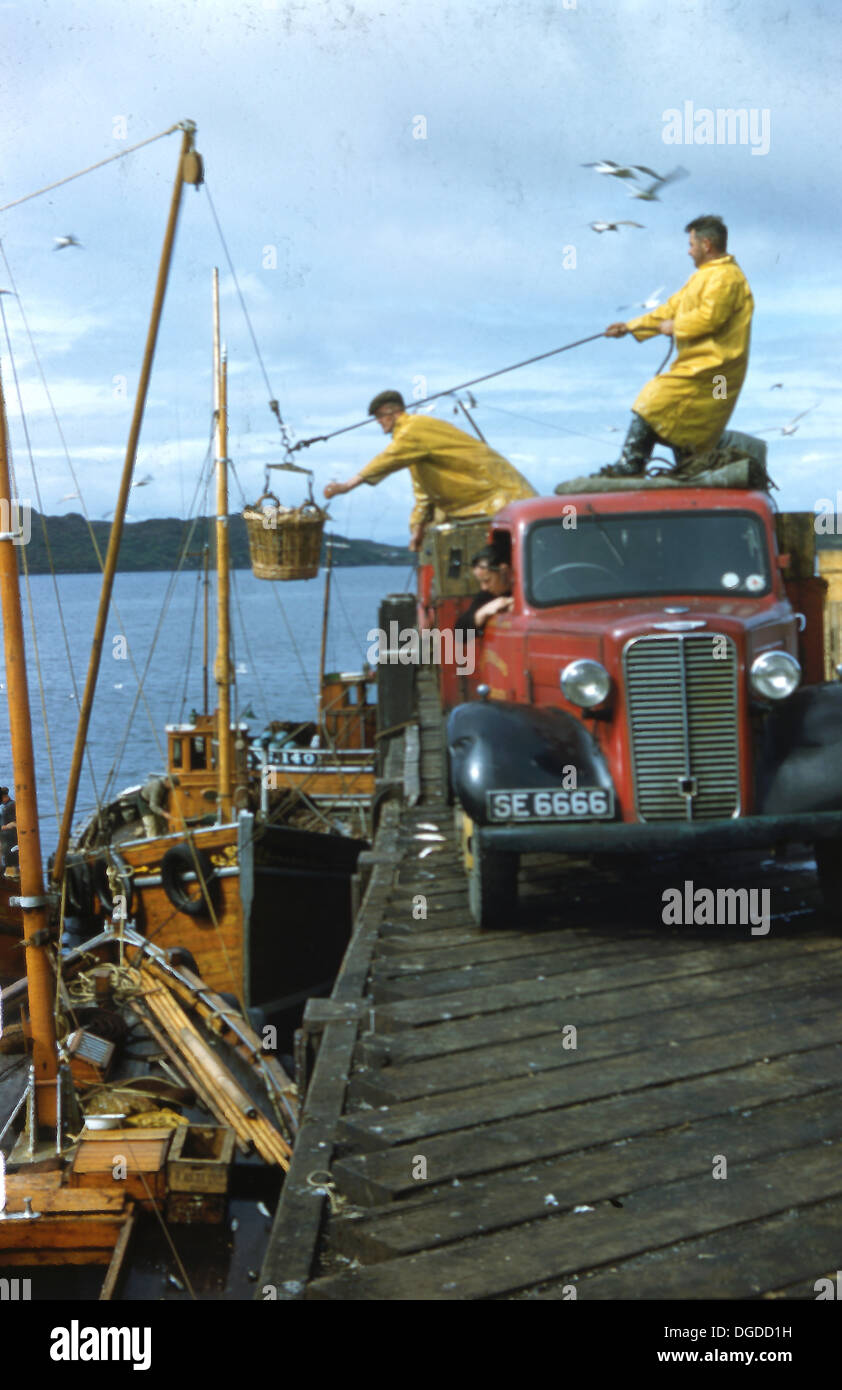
(589, 1105)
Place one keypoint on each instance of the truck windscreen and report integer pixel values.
(671, 553)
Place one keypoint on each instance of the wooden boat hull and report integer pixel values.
(282, 910)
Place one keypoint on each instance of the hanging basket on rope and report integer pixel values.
(284, 542)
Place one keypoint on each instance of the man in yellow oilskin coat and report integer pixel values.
(452, 473)
(688, 407)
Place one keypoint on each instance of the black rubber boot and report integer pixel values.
(637, 449)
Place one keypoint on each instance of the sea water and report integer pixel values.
(276, 636)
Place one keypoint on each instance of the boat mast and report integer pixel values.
(222, 670)
(189, 171)
(323, 654)
(32, 897)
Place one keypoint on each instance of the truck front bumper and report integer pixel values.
(676, 837)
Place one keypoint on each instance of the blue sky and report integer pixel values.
(402, 260)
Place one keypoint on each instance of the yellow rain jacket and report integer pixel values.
(451, 471)
(687, 405)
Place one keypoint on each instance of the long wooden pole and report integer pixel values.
(33, 900)
(120, 512)
(325, 611)
(222, 669)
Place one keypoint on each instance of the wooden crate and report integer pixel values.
(145, 1158)
(196, 1208)
(200, 1159)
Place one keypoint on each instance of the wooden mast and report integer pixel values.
(323, 653)
(189, 171)
(222, 669)
(32, 897)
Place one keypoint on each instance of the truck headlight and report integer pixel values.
(585, 683)
(775, 675)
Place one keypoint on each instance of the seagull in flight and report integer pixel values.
(143, 482)
(607, 166)
(650, 194)
(68, 497)
(651, 303)
(62, 241)
(792, 426)
(614, 226)
(777, 386)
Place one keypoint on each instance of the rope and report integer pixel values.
(273, 404)
(543, 423)
(321, 1181)
(527, 361)
(110, 160)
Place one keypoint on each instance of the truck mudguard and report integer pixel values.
(495, 745)
(799, 765)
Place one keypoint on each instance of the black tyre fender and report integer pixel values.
(79, 891)
(181, 860)
(102, 887)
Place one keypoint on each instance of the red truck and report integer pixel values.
(657, 686)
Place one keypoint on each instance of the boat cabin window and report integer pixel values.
(176, 754)
(198, 754)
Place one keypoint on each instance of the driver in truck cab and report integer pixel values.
(495, 596)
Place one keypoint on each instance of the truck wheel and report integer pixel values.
(829, 864)
(492, 887)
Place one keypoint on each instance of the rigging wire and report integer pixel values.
(252, 664)
(516, 414)
(200, 577)
(30, 604)
(273, 403)
(98, 799)
(167, 600)
(527, 361)
(110, 160)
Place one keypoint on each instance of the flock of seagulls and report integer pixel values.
(648, 193)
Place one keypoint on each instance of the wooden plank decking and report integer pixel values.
(523, 1113)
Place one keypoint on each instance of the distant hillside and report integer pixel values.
(156, 545)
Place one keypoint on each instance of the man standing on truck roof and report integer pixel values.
(688, 407)
(452, 473)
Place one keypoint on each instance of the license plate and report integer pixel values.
(586, 803)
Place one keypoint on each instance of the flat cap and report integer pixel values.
(386, 398)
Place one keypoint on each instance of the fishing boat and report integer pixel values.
(249, 870)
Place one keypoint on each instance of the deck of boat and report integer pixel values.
(590, 1104)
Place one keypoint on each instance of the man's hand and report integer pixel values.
(335, 489)
(494, 605)
(616, 330)
(416, 538)
(667, 327)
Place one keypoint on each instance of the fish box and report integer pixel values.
(200, 1159)
(144, 1161)
(196, 1208)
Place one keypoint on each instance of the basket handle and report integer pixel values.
(256, 505)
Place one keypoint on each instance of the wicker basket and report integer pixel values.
(284, 542)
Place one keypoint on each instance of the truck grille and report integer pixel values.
(681, 697)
